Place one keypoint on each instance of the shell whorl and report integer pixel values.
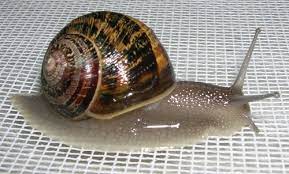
(104, 64)
(70, 74)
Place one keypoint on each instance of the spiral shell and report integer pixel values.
(104, 64)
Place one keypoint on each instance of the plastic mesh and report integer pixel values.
(206, 41)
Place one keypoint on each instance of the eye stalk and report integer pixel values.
(239, 82)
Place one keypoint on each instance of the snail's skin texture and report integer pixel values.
(192, 112)
(131, 90)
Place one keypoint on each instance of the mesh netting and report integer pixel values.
(206, 41)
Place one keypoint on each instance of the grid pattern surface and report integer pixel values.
(206, 41)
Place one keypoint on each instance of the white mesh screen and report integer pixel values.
(206, 41)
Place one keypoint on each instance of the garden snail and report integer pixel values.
(112, 67)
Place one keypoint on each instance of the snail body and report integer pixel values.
(112, 67)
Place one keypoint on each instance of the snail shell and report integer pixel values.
(105, 64)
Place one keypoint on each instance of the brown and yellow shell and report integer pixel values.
(104, 64)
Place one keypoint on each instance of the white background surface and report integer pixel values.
(206, 41)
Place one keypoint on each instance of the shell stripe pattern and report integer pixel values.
(68, 79)
(133, 66)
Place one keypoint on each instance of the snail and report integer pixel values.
(108, 83)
